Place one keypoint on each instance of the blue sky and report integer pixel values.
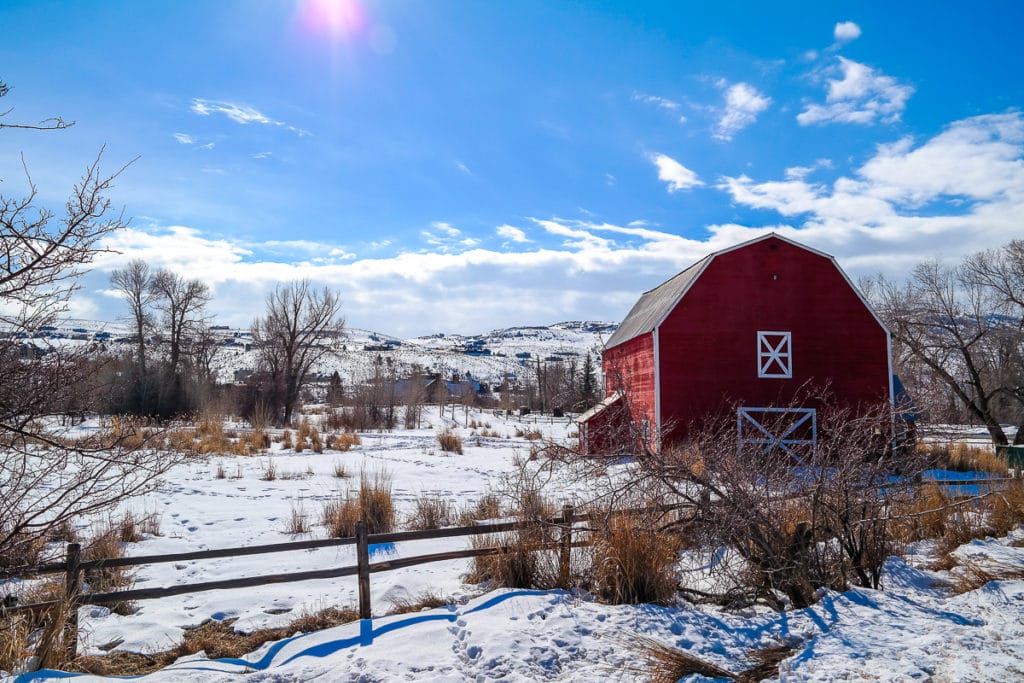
(458, 166)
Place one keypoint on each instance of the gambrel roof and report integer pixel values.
(655, 305)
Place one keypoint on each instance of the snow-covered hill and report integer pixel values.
(488, 357)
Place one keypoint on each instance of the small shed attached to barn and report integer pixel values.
(751, 327)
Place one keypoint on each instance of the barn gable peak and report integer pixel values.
(655, 304)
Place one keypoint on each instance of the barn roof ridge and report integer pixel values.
(656, 303)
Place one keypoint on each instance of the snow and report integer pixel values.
(914, 629)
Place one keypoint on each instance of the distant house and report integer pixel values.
(751, 327)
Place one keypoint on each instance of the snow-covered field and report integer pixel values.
(915, 629)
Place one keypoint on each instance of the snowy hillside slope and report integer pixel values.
(488, 357)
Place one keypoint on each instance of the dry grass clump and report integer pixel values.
(962, 457)
(431, 511)
(373, 503)
(297, 522)
(340, 517)
(286, 439)
(343, 441)
(972, 575)
(487, 507)
(529, 434)
(425, 600)
(666, 664)
(216, 638)
(1006, 508)
(340, 471)
(106, 544)
(22, 550)
(450, 442)
(269, 471)
(633, 562)
(25, 635)
(515, 562)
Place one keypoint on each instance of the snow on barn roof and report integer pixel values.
(655, 304)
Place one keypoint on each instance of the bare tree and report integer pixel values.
(959, 323)
(182, 303)
(47, 479)
(134, 282)
(301, 326)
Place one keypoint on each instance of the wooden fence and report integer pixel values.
(74, 566)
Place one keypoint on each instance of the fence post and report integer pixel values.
(72, 589)
(363, 560)
(565, 549)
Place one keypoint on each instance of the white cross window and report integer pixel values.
(774, 355)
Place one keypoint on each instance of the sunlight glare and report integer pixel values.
(336, 19)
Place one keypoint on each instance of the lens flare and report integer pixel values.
(335, 19)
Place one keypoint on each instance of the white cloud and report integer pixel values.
(511, 233)
(184, 138)
(846, 31)
(743, 102)
(674, 173)
(208, 145)
(971, 176)
(863, 95)
(462, 167)
(660, 102)
(239, 113)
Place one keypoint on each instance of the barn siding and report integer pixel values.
(708, 351)
(630, 367)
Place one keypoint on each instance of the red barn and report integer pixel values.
(752, 326)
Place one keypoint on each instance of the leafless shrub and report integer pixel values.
(340, 471)
(106, 544)
(220, 473)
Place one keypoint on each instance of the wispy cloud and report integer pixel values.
(743, 102)
(447, 238)
(660, 103)
(862, 95)
(184, 138)
(846, 31)
(674, 173)
(512, 234)
(239, 113)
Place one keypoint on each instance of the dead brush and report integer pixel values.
(972, 575)
(286, 439)
(24, 635)
(343, 441)
(430, 511)
(269, 471)
(450, 442)
(217, 639)
(376, 503)
(487, 507)
(633, 561)
(425, 600)
(340, 517)
(962, 457)
(297, 521)
(106, 544)
(666, 664)
(514, 562)
(1006, 507)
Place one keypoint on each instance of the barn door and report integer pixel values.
(793, 430)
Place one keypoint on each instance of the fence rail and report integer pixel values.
(73, 566)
